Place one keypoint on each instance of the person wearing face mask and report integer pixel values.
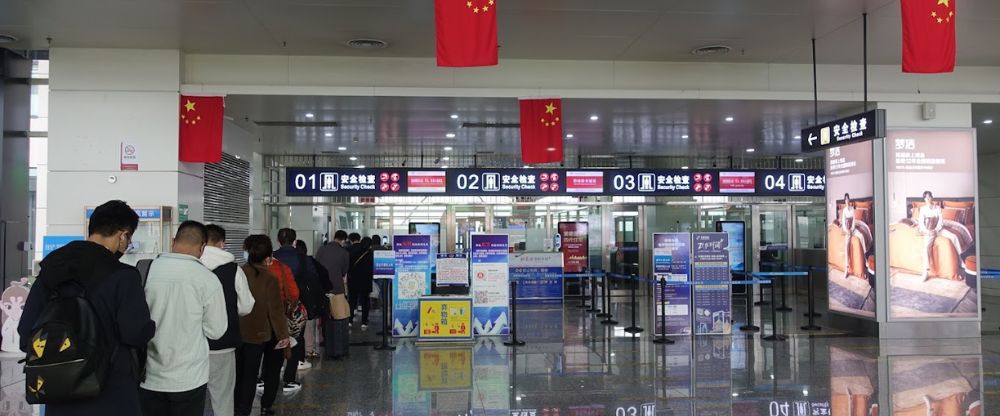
(115, 292)
(189, 306)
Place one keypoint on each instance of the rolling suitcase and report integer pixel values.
(338, 337)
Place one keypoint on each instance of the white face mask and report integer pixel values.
(246, 256)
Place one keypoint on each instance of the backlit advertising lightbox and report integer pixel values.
(851, 230)
(931, 186)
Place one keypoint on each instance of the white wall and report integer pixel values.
(100, 98)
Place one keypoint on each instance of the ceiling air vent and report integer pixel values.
(711, 50)
(296, 123)
(367, 44)
(491, 125)
(5, 38)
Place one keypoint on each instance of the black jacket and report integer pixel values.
(361, 272)
(115, 291)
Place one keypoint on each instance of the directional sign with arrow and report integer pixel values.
(857, 128)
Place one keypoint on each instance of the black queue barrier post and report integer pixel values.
(760, 292)
(784, 298)
(662, 339)
(583, 292)
(750, 327)
(513, 342)
(593, 294)
(812, 309)
(604, 297)
(609, 320)
(812, 306)
(774, 318)
(386, 328)
(633, 329)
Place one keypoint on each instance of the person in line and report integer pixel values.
(323, 306)
(335, 258)
(239, 302)
(847, 226)
(264, 331)
(305, 276)
(359, 279)
(187, 303)
(114, 290)
(930, 221)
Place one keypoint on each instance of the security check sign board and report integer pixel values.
(857, 128)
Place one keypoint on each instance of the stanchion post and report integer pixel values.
(583, 293)
(750, 327)
(604, 297)
(812, 309)
(662, 339)
(609, 320)
(513, 342)
(633, 329)
(784, 297)
(386, 327)
(760, 292)
(812, 306)
(593, 294)
(774, 318)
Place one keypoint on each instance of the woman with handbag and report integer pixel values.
(264, 331)
(359, 279)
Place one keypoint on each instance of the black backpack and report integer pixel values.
(69, 355)
(310, 290)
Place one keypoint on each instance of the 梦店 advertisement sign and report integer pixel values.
(574, 244)
(671, 261)
(413, 280)
(933, 233)
(851, 230)
(490, 284)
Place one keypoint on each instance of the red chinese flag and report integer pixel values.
(541, 130)
(466, 32)
(928, 36)
(201, 129)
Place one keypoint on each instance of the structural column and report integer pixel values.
(15, 113)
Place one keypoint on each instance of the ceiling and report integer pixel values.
(643, 30)
(987, 135)
(413, 126)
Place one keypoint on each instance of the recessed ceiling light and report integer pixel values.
(527, 166)
(729, 119)
(684, 167)
(684, 136)
(446, 158)
(238, 157)
(447, 148)
(310, 115)
(751, 150)
(450, 135)
(797, 137)
(594, 117)
(798, 160)
(361, 166)
(444, 167)
(988, 121)
(328, 134)
(454, 116)
(341, 148)
(353, 158)
(569, 135)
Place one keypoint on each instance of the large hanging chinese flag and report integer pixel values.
(541, 130)
(466, 32)
(201, 129)
(928, 36)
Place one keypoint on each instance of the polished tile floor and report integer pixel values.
(574, 365)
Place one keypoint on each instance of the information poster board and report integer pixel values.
(385, 264)
(712, 303)
(573, 242)
(737, 231)
(413, 280)
(671, 260)
(851, 229)
(539, 277)
(452, 269)
(445, 318)
(490, 284)
(432, 229)
(931, 186)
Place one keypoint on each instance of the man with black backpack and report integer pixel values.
(84, 322)
(239, 302)
(311, 295)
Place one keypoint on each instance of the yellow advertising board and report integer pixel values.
(445, 318)
(446, 369)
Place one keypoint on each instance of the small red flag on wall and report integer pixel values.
(201, 129)
(928, 35)
(541, 130)
(466, 32)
